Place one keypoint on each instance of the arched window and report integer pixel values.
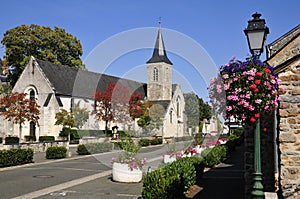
(171, 116)
(178, 106)
(32, 94)
(155, 74)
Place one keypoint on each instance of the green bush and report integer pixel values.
(14, 157)
(156, 141)
(144, 142)
(46, 138)
(173, 180)
(214, 155)
(56, 152)
(92, 148)
(73, 133)
(12, 140)
(30, 138)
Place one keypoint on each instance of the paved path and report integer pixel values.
(225, 181)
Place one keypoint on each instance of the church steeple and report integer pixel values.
(159, 52)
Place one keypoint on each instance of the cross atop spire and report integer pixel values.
(159, 53)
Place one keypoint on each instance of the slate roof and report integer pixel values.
(282, 41)
(68, 81)
(159, 52)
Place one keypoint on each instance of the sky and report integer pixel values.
(117, 36)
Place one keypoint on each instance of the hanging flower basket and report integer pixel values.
(245, 90)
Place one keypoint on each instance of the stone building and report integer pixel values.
(284, 55)
(280, 143)
(59, 87)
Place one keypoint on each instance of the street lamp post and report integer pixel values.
(256, 33)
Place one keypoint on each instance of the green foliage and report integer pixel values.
(14, 157)
(214, 156)
(81, 115)
(30, 138)
(46, 138)
(172, 180)
(93, 148)
(54, 45)
(199, 138)
(73, 133)
(56, 152)
(144, 142)
(156, 141)
(12, 140)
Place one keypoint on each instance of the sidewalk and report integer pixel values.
(226, 181)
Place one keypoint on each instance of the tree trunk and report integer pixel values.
(20, 132)
(106, 127)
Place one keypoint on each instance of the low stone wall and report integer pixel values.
(86, 140)
(36, 146)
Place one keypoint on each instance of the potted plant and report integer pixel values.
(171, 155)
(127, 167)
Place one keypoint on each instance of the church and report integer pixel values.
(59, 87)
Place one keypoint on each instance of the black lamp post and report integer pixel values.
(256, 33)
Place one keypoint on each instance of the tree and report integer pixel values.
(196, 109)
(113, 104)
(66, 119)
(18, 108)
(54, 45)
(81, 115)
(192, 110)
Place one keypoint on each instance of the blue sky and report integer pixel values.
(215, 27)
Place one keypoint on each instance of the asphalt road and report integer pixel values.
(75, 177)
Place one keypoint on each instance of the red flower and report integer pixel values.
(265, 129)
(256, 90)
(267, 70)
(252, 119)
(252, 86)
(259, 74)
(257, 81)
(257, 115)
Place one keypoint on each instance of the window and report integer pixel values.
(32, 94)
(178, 106)
(171, 116)
(155, 74)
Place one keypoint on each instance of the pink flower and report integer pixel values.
(258, 101)
(250, 78)
(226, 76)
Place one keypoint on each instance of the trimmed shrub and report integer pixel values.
(173, 180)
(92, 148)
(144, 142)
(156, 141)
(46, 138)
(14, 157)
(12, 140)
(56, 152)
(30, 138)
(214, 155)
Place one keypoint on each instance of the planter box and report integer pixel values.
(122, 173)
(169, 159)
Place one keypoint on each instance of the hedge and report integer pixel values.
(12, 140)
(173, 180)
(14, 157)
(46, 138)
(214, 156)
(144, 142)
(30, 138)
(56, 152)
(156, 141)
(92, 148)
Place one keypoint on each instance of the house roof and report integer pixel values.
(274, 47)
(159, 52)
(68, 81)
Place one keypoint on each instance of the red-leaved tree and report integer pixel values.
(18, 108)
(114, 104)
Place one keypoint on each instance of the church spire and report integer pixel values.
(159, 53)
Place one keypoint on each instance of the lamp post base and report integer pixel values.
(257, 192)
